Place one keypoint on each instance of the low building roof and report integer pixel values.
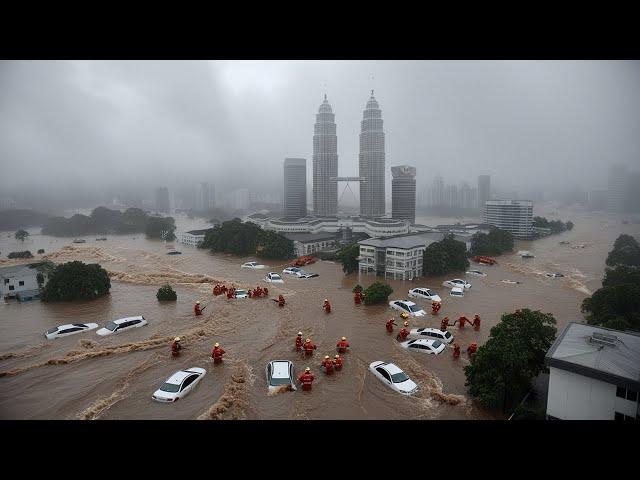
(200, 232)
(404, 241)
(608, 355)
(15, 270)
(310, 237)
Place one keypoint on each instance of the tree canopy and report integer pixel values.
(349, 258)
(166, 293)
(495, 242)
(626, 251)
(556, 226)
(24, 254)
(621, 275)
(447, 255)
(21, 235)
(247, 238)
(76, 281)
(160, 227)
(501, 370)
(377, 292)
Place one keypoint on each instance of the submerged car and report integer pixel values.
(424, 345)
(279, 373)
(407, 307)
(456, 282)
(254, 265)
(179, 384)
(307, 275)
(477, 273)
(273, 277)
(394, 377)
(555, 275)
(426, 293)
(292, 271)
(69, 329)
(241, 294)
(434, 333)
(121, 324)
(456, 292)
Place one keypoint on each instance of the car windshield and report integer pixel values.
(437, 344)
(241, 292)
(279, 381)
(414, 308)
(52, 330)
(170, 387)
(430, 293)
(447, 335)
(111, 326)
(456, 294)
(399, 377)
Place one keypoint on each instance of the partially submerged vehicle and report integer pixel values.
(280, 373)
(456, 292)
(241, 294)
(393, 376)
(457, 282)
(513, 282)
(424, 345)
(122, 324)
(433, 333)
(407, 307)
(69, 329)
(484, 260)
(174, 252)
(179, 385)
(253, 265)
(477, 273)
(273, 277)
(426, 293)
(79, 240)
(526, 254)
(304, 260)
(555, 275)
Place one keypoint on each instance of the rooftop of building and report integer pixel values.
(410, 240)
(509, 202)
(16, 270)
(200, 232)
(608, 355)
(310, 237)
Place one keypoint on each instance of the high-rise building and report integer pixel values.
(484, 190)
(162, 200)
(372, 161)
(240, 199)
(403, 193)
(616, 188)
(437, 191)
(515, 216)
(325, 162)
(295, 188)
(203, 196)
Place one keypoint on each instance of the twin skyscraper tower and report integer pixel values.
(371, 162)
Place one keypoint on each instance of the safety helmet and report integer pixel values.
(337, 356)
(177, 339)
(299, 334)
(308, 340)
(198, 302)
(326, 299)
(216, 344)
(307, 369)
(326, 356)
(344, 338)
(406, 324)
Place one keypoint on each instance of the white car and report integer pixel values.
(424, 345)
(477, 273)
(242, 294)
(279, 373)
(456, 282)
(394, 377)
(69, 329)
(292, 271)
(424, 292)
(407, 307)
(273, 277)
(456, 292)
(121, 324)
(555, 275)
(179, 384)
(444, 337)
(254, 265)
(307, 275)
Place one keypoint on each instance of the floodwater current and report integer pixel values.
(90, 377)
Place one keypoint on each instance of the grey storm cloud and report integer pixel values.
(97, 125)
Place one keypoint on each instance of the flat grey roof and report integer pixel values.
(404, 241)
(310, 237)
(15, 269)
(618, 363)
(200, 232)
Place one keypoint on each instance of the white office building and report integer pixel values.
(515, 216)
(193, 237)
(594, 374)
(21, 280)
(310, 243)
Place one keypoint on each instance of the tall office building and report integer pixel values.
(162, 200)
(617, 188)
(403, 193)
(240, 199)
(325, 162)
(515, 216)
(203, 196)
(437, 191)
(295, 188)
(372, 161)
(484, 190)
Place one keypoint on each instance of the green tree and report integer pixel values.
(569, 225)
(166, 293)
(626, 251)
(76, 281)
(247, 238)
(621, 275)
(456, 253)
(501, 370)
(614, 307)
(21, 235)
(274, 245)
(24, 254)
(349, 258)
(435, 260)
(495, 242)
(161, 227)
(377, 292)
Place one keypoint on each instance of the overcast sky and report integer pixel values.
(98, 125)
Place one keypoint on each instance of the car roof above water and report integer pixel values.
(126, 319)
(280, 368)
(392, 368)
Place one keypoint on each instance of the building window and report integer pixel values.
(621, 392)
(21, 283)
(6, 280)
(632, 395)
(11, 287)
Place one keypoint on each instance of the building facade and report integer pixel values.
(310, 243)
(484, 191)
(515, 216)
(616, 188)
(204, 196)
(162, 200)
(193, 237)
(403, 193)
(295, 188)
(594, 374)
(325, 162)
(372, 186)
(21, 280)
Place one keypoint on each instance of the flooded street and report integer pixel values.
(88, 377)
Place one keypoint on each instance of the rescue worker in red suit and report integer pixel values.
(265, 291)
(357, 299)
(461, 321)
(249, 293)
(337, 363)
(444, 324)
(435, 307)
(456, 350)
(327, 363)
(217, 353)
(175, 347)
(326, 306)
(299, 342)
(471, 349)
(306, 379)
(281, 301)
(308, 347)
(196, 309)
(404, 333)
(390, 325)
(476, 322)
(342, 345)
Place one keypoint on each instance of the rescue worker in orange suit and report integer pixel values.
(472, 348)
(456, 350)
(404, 333)
(337, 363)
(306, 379)
(217, 353)
(435, 308)
(357, 299)
(299, 342)
(175, 347)
(461, 321)
(308, 347)
(444, 324)
(249, 293)
(196, 309)
(265, 291)
(390, 325)
(326, 306)
(281, 301)
(342, 345)
(327, 363)
(476, 322)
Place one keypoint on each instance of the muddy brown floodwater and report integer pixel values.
(90, 377)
